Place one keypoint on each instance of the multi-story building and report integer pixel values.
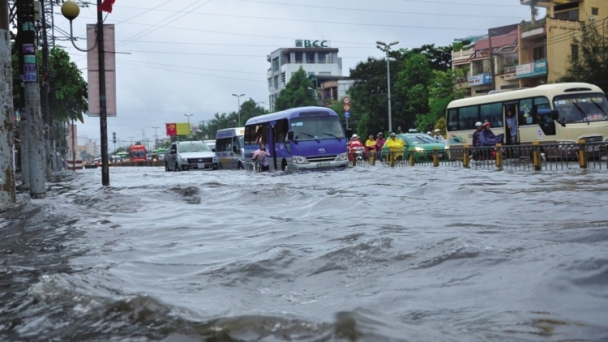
(546, 46)
(488, 64)
(528, 54)
(316, 57)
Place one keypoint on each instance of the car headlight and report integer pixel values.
(183, 159)
(342, 157)
(606, 140)
(299, 160)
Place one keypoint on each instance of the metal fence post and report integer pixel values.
(435, 156)
(371, 159)
(465, 157)
(536, 156)
(412, 160)
(582, 154)
(391, 158)
(499, 157)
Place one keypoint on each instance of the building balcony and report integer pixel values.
(563, 24)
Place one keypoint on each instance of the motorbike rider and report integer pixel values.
(353, 145)
(370, 146)
(379, 143)
(395, 146)
(260, 156)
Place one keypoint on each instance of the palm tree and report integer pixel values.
(533, 11)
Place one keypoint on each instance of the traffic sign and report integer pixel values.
(346, 100)
(347, 115)
(346, 108)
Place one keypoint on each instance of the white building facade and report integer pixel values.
(316, 57)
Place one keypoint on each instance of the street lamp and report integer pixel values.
(387, 48)
(189, 129)
(70, 11)
(239, 107)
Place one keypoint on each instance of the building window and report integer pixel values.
(310, 58)
(276, 82)
(574, 52)
(310, 74)
(275, 64)
(571, 15)
(283, 77)
(595, 11)
(298, 58)
(322, 57)
(539, 53)
(270, 83)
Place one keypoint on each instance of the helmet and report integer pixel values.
(486, 124)
(478, 124)
(429, 133)
(437, 130)
(392, 134)
(380, 133)
(354, 136)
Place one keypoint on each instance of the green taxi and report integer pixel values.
(423, 144)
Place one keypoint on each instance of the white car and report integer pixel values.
(188, 155)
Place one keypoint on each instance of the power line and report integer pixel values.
(343, 9)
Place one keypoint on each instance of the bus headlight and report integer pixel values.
(342, 157)
(419, 149)
(299, 160)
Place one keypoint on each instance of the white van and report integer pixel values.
(229, 144)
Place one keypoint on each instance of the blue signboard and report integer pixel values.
(537, 68)
(347, 115)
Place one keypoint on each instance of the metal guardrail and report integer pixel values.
(534, 157)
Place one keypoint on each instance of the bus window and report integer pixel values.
(250, 136)
(581, 108)
(223, 145)
(453, 119)
(280, 133)
(525, 113)
(467, 117)
(492, 113)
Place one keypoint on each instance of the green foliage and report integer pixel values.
(591, 66)
(68, 92)
(296, 92)
(250, 109)
(206, 130)
(412, 83)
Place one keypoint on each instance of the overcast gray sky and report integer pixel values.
(188, 56)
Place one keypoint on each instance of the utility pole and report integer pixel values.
(27, 50)
(46, 88)
(7, 181)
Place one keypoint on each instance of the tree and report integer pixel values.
(296, 92)
(441, 93)
(412, 83)
(533, 11)
(590, 63)
(69, 91)
(250, 109)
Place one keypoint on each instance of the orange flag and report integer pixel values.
(171, 129)
(106, 6)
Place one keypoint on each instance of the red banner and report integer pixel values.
(171, 129)
(106, 6)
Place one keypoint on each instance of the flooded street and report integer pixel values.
(365, 254)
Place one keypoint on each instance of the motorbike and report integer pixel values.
(359, 153)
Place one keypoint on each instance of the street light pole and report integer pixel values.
(155, 137)
(239, 106)
(189, 129)
(70, 11)
(387, 48)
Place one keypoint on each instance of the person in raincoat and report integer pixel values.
(395, 146)
(488, 138)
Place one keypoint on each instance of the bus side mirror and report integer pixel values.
(290, 135)
(555, 114)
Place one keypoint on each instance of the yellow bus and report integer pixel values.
(560, 113)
